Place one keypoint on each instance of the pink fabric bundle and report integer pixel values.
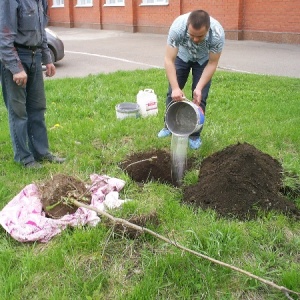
(24, 219)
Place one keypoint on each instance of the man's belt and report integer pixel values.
(32, 48)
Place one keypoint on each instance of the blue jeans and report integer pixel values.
(182, 71)
(26, 109)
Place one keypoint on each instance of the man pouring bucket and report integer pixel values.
(195, 42)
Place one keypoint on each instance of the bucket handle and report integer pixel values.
(186, 99)
(149, 90)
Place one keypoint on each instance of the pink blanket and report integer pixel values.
(24, 219)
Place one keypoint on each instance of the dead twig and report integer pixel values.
(283, 289)
(137, 162)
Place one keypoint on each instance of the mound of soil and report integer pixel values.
(239, 181)
(54, 193)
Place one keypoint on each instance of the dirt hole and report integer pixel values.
(239, 181)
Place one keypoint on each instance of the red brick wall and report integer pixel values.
(268, 20)
(272, 20)
(61, 15)
(87, 16)
(157, 18)
(72, 16)
(118, 17)
(272, 15)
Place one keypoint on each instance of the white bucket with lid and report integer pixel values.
(127, 109)
(147, 101)
(184, 118)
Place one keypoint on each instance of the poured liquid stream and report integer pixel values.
(179, 145)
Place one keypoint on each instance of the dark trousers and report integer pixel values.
(183, 70)
(26, 109)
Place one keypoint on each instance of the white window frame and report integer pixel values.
(58, 3)
(114, 3)
(154, 2)
(84, 3)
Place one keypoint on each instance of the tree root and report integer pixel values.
(283, 289)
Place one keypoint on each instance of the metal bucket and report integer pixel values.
(184, 117)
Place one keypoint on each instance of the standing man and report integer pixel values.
(23, 48)
(195, 42)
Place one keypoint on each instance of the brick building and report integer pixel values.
(264, 20)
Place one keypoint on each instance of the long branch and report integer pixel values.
(283, 289)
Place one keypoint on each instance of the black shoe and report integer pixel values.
(53, 159)
(33, 165)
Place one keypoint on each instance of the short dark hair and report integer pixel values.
(198, 19)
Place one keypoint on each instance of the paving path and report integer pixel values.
(92, 51)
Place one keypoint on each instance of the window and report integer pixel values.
(84, 2)
(155, 2)
(58, 3)
(114, 2)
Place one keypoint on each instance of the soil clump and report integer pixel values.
(239, 181)
(54, 194)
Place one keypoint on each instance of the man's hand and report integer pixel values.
(50, 70)
(177, 95)
(20, 78)
(197, 96)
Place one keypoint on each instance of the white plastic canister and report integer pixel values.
(147, 101)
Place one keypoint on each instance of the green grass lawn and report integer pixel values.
(95, 263)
